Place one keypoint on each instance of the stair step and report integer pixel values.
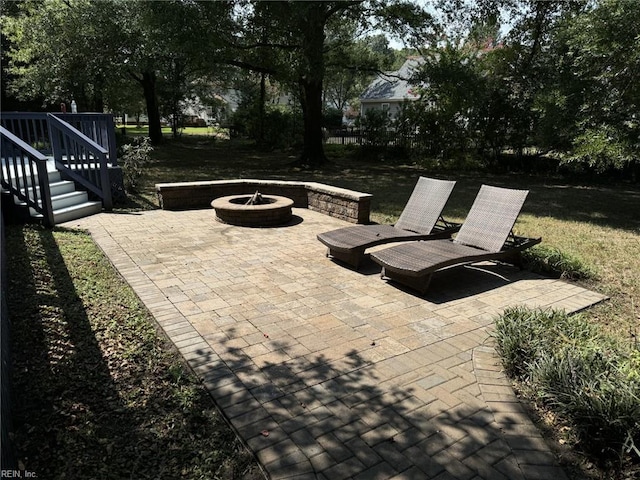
(67, 203)
(63, 186)
(55, 188)
(74, 212)
(53, 176)
(66, 200)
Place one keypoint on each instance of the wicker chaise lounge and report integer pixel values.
(486, 234)
(421, 219)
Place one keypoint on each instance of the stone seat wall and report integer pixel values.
(337, 202)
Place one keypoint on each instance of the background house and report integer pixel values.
(390, 89)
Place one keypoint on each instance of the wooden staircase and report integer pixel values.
(67, 176)
(67, 201)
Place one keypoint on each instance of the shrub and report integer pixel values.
(521, 336)
(133, 157)
(332, 118)
(376, 124)
(282, 128)
(589, 379)
(586, 387)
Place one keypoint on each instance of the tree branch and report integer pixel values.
(372, 70)
(133, 75)
(341, 6)
(281, 46)
(251, 67)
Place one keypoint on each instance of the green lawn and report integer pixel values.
(134, 130)
(97, 391)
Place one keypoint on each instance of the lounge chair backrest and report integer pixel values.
(491, 218)
(425, 205)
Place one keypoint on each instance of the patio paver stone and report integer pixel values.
(351, 376)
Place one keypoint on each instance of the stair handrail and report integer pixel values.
(80, 159)
(30, 169)
(99, 127)
(33, 128)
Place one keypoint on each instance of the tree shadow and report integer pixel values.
(76, 413)
(361, 415)
(616, 206)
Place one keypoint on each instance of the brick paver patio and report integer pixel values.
(330, 373)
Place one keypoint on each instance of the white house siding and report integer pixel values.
(393, 107)
(390, 90)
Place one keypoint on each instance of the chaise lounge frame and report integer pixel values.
(486, 234)
(421, 219)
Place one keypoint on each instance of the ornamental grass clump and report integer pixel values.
(568, 365)
(554, 262)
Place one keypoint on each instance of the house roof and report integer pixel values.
(393, 86)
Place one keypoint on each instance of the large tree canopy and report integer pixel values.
(563, 78)
(559, 76)
(88, 50)
(297, 42)
(53, 46)
(92, 51)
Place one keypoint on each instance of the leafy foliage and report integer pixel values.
(52, 51)
(591, 380)
(375, 125)
(332, 118)
(602, 149)
(133, 158)
(448, 105)
(562, 78)
(602, 51)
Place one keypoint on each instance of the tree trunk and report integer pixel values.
(98, 95)
(310, 82)
(311, 101)
(98, 103)
(261, 107)
(148, 83)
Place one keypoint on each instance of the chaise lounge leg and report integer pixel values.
(425, 285)
(353, 258)
(420, 284)
(515, 259)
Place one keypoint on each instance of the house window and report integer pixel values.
(385, 107)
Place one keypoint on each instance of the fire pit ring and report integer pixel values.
(234, 210)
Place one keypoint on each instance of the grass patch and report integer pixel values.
(591, 380)
(97, 391)
(552, 261)
(143, 130)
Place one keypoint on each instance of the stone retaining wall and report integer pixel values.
(337, 202)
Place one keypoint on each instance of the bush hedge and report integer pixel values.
(589, 379)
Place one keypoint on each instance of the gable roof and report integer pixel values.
(393, 86)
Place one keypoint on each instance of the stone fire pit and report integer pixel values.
(255, 210)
